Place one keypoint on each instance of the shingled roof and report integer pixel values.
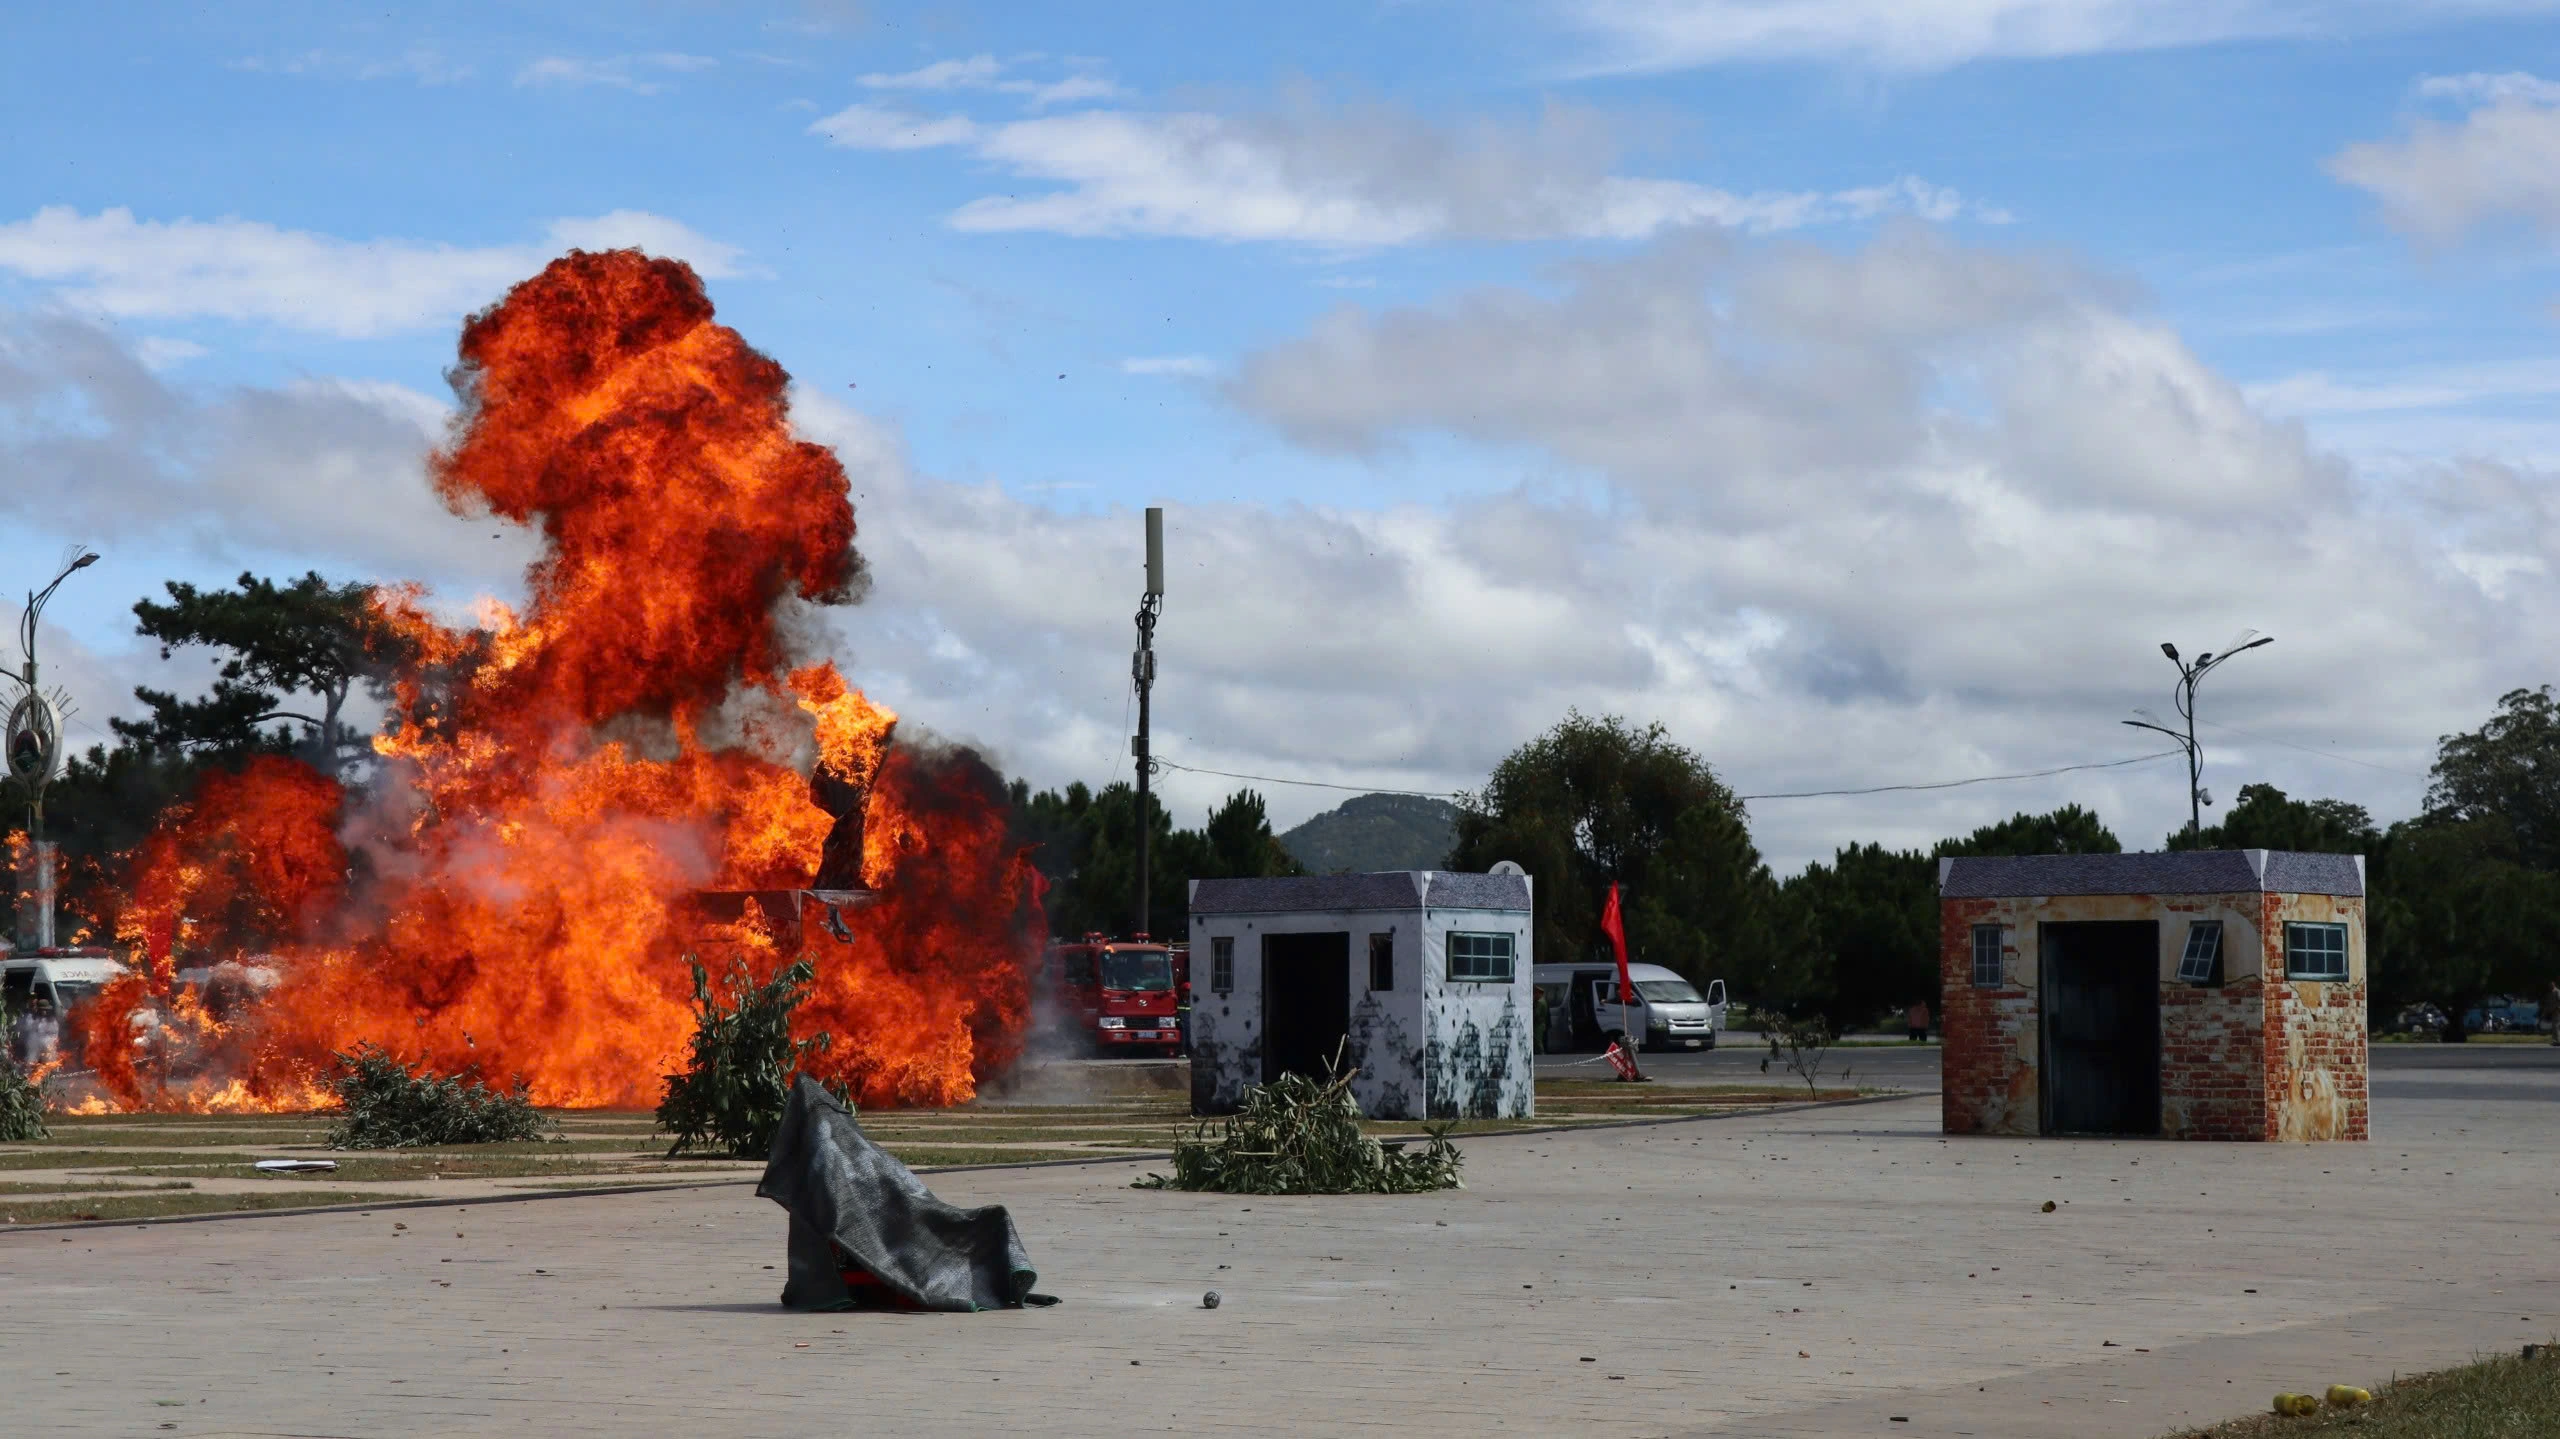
(2217, 871)
(1394, 889)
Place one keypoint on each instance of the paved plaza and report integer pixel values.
(1802, 1273)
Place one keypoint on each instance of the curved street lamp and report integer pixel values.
(2189, 672)
(33, 742)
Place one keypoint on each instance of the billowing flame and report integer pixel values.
(516, 891)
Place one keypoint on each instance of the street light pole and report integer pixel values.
(33, 740)
(2189, 674)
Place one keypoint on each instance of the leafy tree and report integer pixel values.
(2264, 818)
(1086, 845)
(1597, 800)
(2455, 917)
(2509, 768)
(737, 1082)
(1868, 921)
(2068, 830)
(306, 638)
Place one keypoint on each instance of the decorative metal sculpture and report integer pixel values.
(34, 741)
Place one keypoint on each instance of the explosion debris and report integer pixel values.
(509, 891)
(1297, 1135)
(390, 1105)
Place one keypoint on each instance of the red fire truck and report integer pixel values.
(1123, 996)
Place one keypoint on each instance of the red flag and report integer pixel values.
(1616, 929)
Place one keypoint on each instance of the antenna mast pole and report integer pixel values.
(1142, 672)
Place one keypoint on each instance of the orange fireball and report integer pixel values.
(513, 890)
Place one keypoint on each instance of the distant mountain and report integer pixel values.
(1376, 832)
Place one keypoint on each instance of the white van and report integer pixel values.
(1669, 1012)
(42, 995)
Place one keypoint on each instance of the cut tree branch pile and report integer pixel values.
(1298, 1135)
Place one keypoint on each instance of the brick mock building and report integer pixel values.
(2199, 995)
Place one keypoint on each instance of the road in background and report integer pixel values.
(2400, 1071)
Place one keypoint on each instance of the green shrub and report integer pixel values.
(1298, 1135)
(391, 1105)
(21, 1105)
(730, 1098)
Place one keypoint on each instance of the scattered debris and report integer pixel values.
(391, 1105)
(1297, 1135)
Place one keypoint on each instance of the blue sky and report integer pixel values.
(1861, 388)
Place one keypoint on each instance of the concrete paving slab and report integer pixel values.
(1815, 1272)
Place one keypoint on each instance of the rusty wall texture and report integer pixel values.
(2316, 1060)
(2256, 1057)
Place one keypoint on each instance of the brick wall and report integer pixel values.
(1987, 1047)
(2212, 1076)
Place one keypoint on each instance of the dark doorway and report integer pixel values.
(1306, 1002)
(1586, 1022)
(2100, 991)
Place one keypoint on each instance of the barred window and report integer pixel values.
(1988, 941)
(2315, 951)
(2202, 961)
(1485, 958)
(1222, 964)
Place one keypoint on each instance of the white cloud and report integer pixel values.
(1655, 35)
(329, 469)
(877, 127)
(426, 66)
(622, 72)
(986, 72)
(1344, 177)
(1184, 365)
(165, 352)
(1920, 511)
(975, 73)
(233, 269)
(2500, 162)
(651, 234)
(2480, 88)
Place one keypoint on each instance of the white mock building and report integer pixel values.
(1422, 978)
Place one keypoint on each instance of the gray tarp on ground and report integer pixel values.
(849, 1198)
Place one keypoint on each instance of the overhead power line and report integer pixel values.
(1977, 779)
(1791, 794)
(2311, 750)
(1307, 783)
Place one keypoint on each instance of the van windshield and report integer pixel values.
(1146, 969)
(75, 994)
(1669, 991)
